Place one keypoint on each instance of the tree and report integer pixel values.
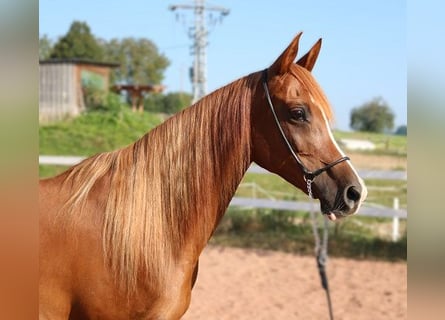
(45, 47)
(373, 116)
(139, 59)
(169, 103)
(154, 102)
(401, 130)
(176, 101)
(79, 42)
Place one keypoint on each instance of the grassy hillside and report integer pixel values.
(93, 132)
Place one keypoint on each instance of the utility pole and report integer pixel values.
(199, 33)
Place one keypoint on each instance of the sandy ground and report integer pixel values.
(253, 284)
(377, 162)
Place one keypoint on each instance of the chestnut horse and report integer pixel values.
(121, 232)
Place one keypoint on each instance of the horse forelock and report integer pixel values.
(313, 90)
(169, 186)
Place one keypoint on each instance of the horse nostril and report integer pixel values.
(353, 194)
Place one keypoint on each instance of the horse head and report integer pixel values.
(291, 134)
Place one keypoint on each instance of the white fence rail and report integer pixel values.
(305, 206)
(365, 174)
(395, 214)
(60, 160)
(372, 211)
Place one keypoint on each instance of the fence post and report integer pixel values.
(395, 221)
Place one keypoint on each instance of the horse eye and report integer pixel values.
(298, 114)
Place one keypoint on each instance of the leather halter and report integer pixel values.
(308, 175)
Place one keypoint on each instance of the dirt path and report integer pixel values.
(377, 162)
(241, 284)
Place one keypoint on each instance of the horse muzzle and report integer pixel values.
(347, 202)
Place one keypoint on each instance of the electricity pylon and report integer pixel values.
(199, 33)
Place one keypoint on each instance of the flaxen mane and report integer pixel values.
(159, 185)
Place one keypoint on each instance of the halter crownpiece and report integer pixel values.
(308, 175)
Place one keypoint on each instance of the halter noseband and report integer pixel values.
(308, 175)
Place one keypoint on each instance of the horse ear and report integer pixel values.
(285, 60)
(309, 59)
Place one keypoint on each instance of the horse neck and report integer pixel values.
(205, 151)
(227, 151)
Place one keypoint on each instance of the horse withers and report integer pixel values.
(121, 232)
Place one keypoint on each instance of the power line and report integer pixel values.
(198, 33)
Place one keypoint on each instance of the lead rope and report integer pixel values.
(321, 248)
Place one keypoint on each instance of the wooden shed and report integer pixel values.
(61, 83)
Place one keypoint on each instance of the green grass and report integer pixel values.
(380, 192)
(94, 132)
(385, 144)
(46, 171)
(292, 232)
(91, 133)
